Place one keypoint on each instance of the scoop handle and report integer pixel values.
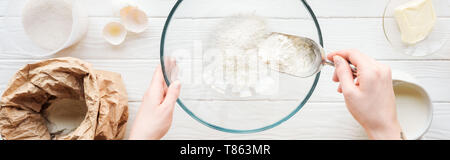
(352, 67)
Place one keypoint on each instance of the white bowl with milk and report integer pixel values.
(414, 107)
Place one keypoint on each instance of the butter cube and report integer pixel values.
(416, 20)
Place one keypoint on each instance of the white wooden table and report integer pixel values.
(345, 24)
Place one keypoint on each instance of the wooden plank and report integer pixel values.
(357, 21)
(305, 125)
(365, 34)
(309, 123)
(97, 8)
(217, 8)
(195, 8)
(439, 127)
(3, 6)
(363, 8)
(2, 40)
(137, 75)
(93, 46)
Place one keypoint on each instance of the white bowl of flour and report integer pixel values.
(414, 106)
(39, 28)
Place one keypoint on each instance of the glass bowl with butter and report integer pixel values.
(416, 27)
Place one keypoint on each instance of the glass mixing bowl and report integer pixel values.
(187, 35)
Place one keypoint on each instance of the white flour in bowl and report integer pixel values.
(240, 31)
(48, 23)
(245, 57)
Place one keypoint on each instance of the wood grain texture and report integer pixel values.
(137, 75)
(309, 123)
(323, 8)
(365, 34)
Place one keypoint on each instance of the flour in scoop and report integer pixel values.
(245, 59)
(48, 23)
(286, 55)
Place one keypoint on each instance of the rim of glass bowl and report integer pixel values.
(216, 127)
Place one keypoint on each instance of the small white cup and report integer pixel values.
(415, 121)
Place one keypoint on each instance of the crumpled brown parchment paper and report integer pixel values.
(34, 85)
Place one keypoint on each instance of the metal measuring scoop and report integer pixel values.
(317, 52)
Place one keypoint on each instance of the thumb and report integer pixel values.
(172, 94)
(344, 74)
